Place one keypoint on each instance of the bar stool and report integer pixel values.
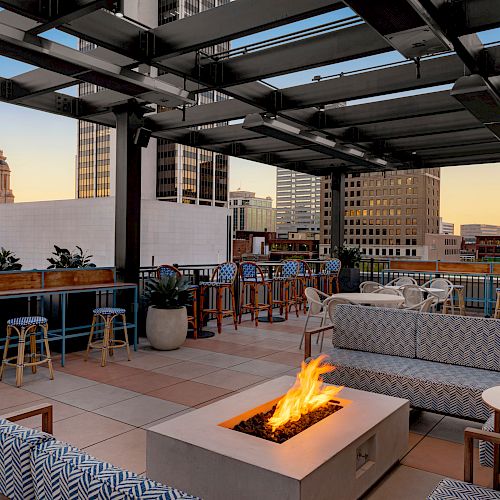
(497, 306)
(305, 278)
(461, 300)
(167, 270)
(252, 277)
(223, 278)
(330, 271)
(108, 342)
(26, 327)
(287, 282)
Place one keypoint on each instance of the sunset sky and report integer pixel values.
(41, 148)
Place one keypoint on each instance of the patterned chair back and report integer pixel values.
(225, 272)
(332, 266)
(251, 271)
(290, 268)
(304, 268)
(167, 271)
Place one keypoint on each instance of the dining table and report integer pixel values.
(372, 299)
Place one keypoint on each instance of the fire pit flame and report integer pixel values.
(307, 394)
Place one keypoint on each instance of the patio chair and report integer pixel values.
(402, 280)
(413, 295)
(317, 303)
(223, 278)
(287, 283)
(425, 305)
(167, 270)
(252, 278)
(453, 488)
(369, 286)
(330, 271)
(445, 298)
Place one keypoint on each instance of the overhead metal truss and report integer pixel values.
(304, 127)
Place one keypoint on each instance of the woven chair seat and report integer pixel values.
(214, 284)
(109, 311)
(27, 321)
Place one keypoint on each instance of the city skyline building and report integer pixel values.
(446, 227)
(251, 213)
(386, 214)
(182, 174)
(470, 231)
(297, 202)
(6, 195)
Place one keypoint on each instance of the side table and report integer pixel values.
(491, 397)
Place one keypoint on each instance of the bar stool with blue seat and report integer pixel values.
(166, 270)
(287, 283)
(27, 327)
(252, 278)
(223, 278)
(108, 342)
(330, 271)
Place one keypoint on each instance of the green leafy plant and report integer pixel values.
(169, 292)
(64, 259)
(9, 261)
(349, 256)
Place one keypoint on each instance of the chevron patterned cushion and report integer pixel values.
(375, 329)
(27, 321)
(485, 448)
(109, 311)
(16, 444)
(460, 340)
(451, 489)
(63, 472)
(455, 390)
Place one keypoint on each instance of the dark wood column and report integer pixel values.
(337, 193)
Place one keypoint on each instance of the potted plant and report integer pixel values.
(166, 322)
(349, 277)
(9, 261)
(64, 259)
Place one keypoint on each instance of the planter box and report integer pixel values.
(349, 279)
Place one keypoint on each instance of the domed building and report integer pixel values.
(6, 195)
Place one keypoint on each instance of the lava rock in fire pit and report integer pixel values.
(258, 426)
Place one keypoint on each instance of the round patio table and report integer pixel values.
(372, 299)
(491, 397)
(424, 289)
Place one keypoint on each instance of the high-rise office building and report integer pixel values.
(446, 227)
(470, 231)
(183, 174)
(297, 202)
(251, 213)
(6, 195)
(386, 214)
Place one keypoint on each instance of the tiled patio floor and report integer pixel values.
(105, 411)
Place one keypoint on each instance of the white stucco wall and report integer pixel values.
(184, 234)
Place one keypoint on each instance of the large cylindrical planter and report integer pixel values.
(166, 329)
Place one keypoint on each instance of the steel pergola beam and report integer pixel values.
(20, 45)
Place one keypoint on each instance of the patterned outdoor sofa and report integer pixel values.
(439, 362)
(33, 465)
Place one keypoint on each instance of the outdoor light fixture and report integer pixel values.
(273, 127)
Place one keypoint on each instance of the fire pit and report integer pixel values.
(338, 457)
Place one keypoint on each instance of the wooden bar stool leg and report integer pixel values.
(287, 298)
(497, 306)
(45, 329)
(233, 305)
(105, 342)
(255, 302)
(218, 307)
(20, 357)
(5, 351)
(242, 300)
(111, 338)
(92, 328)
(269, 288)
(461, 301)
(32, 336)
(125, 335)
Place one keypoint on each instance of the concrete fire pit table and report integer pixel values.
(339, 457)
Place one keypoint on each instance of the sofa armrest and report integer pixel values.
(45, 410)
(307, 338)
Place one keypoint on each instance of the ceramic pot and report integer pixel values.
(166, 329)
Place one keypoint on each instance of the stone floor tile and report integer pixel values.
(95, 396)
(187, 370)
(221, 360)
(262, 368)
(127, 451)
(189, 393)
(145, 382)
(149, 361)
(422, 422)
(61, 384)
(452, 429)
(88, 428)
(13, 397)
(404, 483)
(286, 358)
(230, 379)
(140, 410)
